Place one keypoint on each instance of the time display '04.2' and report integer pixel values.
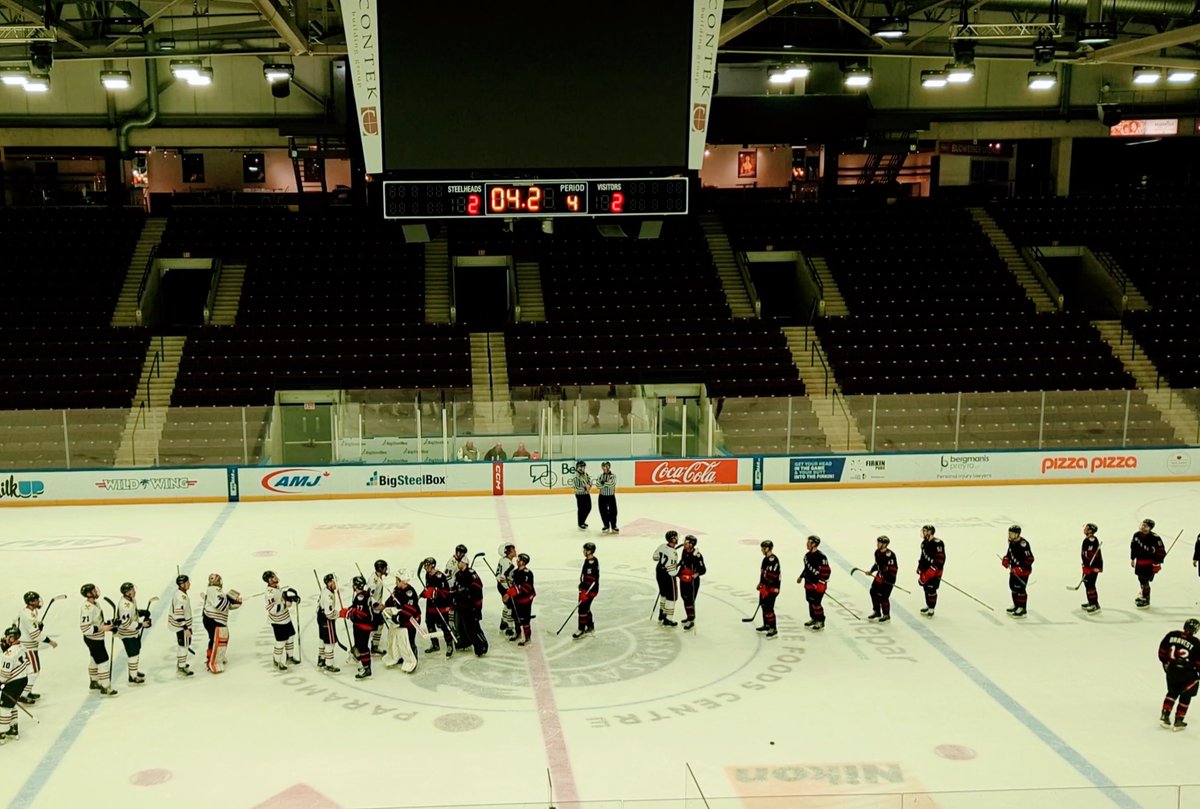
(464, 199)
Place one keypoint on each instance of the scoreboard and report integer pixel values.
(509, 199)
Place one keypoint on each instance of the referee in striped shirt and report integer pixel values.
(583, 494)
(607, 483)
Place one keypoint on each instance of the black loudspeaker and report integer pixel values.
(1109, 113)
(415, 234)
(650, 229)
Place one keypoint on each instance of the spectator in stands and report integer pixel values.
(496, 453)
(594, 412)
(520, 451)
(468, 452)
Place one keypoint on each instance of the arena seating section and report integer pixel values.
(935, 311)
(1154, 239)
(630, 311)
(330, 300)
(61, 273)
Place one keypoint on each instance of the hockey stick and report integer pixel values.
(577, 603)
(50, 604)
(473, 558)
(436, 611)
(352, 652)
(750, 620)
(968, 595)
(1176, 539)
(1089, 564)
(843, 606)
(112, 643)
(871, 576)
(25, 711)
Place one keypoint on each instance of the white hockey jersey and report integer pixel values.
(31, 628)
(667, 558)
(181, 611)
(277, 609)
(129, 625)
(91, 621)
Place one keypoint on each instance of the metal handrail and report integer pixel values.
(816, 354)
(840, 401)
(1114, 270)
(141, 416)
(146, 275)
(812, 271)
(155, 370)
(1039, 272)
(739, 259)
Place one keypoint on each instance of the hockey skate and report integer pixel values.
(434, 646)
(1165, 719)
(108, 692)
(772, 632)
(1011, 610)
(817, 626)
(762, 628)
(13, 733)
(873, 616)
(523, 642)
(1090, 607)
(1141, 603)
(140, 679)
(26, 700)
(668, 622)
(1020, 612)
(810, 622)
(883, 619)
(1179, 725)
(363, 674)
(280, 666)
(33, 696)
(184, 671)
(331, 669)
(689, 623)
(94, 685)
(927, 612)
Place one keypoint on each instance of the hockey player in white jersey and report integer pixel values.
(14, 669)
(94, 629)
(29, 622)
(180, 619)
(279, 613)
(379, 585)
(451, 568)
(504, 570)
(327, 615)
(666, 572)
(217, 604)
(129, 625)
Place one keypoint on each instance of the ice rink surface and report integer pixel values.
(968, 702)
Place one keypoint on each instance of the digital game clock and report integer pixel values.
(508, 199)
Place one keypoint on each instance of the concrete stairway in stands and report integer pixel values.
(125, 313)
(836, 422)
(529, 291)
(490, 396)
(144, 424)
(1183, 419)
(727, 268)
(1014, 260)
(229, 293)
(437, 280)
(835, 304)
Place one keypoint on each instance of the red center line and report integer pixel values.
(557, 756)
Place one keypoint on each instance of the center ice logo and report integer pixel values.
(292, 481)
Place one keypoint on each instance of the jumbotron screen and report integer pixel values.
(533, 85)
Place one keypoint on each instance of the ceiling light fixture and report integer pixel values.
(185, 68)
(38, 84)
(1097, 33)
(14, 76)
(1180, 75)
(278, 72)
(778, 77)
(116, 79)
(933, 79)
(798, 70)
(1042, 79)
(960, 72)
(1146, 76)
(858, 76)
(889, 27)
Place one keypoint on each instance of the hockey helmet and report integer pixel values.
(268, 575)
(929, 527)
(359, 583)
(523, 557)
(766, 543)
(815, 540)
(429, 561)
(460, 548)
(1091, 528)
(380, 566)
(1149, 523)
(691, 540)
(671, 535)
(87, 590)
(31, 597)
(214, 579)
(1191, 625)
(329, 577)
(590, 547)
(126, 588)
(181, 579)
(12, 632)
(884, 538)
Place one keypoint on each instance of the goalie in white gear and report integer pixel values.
(403, 611)
(217, 604)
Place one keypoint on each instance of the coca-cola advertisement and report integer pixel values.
(721, 472)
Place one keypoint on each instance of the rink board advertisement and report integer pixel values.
(334, 482)
(106, 486)
(657, 475)
(982, 468)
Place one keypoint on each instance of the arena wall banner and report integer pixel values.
(983, 468)
(361, 23)
(257, 483)
(112, 486)
(706, 34)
